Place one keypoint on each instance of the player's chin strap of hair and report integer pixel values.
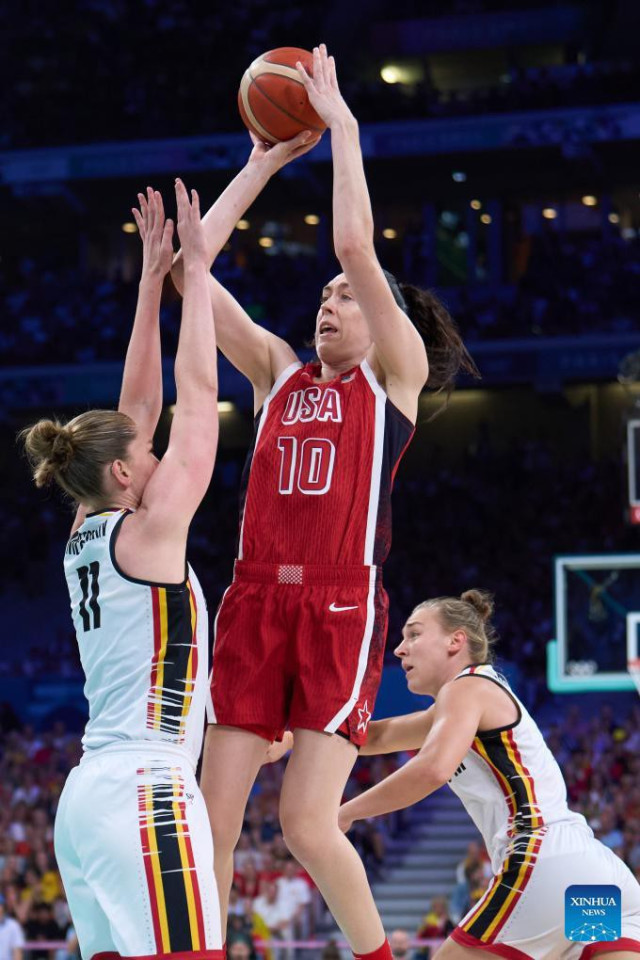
(396, 291)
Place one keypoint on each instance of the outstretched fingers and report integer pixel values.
(182, 200)
(159, 205)
(304, 76)
(333, 76)
(137, 216)
(151, 210)
(167, 236)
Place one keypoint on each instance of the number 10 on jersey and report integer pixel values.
(307, 466)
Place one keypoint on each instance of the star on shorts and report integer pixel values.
(365, 716)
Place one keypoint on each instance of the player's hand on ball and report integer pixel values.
(322, 88)
(190, 231)
(273, 158)
(156, 234)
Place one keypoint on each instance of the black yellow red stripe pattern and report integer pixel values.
(174, 893)
(494, 909)
(175, 660)
(500, 752)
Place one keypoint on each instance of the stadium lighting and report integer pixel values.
(459, 176)
(266, 242)
(476, 205)
(614, 218)
(389, 233)
(129, 227)
(312, 219)
(589, 200)
(243, 225)
(485, 218)
(391, 74)
(549, 213)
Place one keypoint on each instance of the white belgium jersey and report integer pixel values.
(509, 781)
(143, 645)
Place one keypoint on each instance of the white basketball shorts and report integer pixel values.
(134, 849)
(521, 915)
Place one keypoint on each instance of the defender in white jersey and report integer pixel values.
(132, 835)
(479, 738)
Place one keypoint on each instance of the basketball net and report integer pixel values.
(633, 666)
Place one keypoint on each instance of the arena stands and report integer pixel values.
(572, 285)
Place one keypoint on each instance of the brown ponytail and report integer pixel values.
(445, 349)
(74, 454)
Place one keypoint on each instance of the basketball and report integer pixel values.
(272, 99)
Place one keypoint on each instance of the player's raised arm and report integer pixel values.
(257, 353)
(176, 488)
(399, 347)
(141, 390)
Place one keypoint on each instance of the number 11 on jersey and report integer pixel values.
(93, 571)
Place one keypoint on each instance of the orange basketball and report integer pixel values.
(272, 99)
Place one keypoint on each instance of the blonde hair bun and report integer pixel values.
(75, 454)
(481, 601)
(50, 449)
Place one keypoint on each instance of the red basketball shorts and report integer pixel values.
(299, 647)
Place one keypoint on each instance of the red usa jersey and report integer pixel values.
(316, 487)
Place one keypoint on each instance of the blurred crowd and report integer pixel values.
(59, 314)
(521, 89)
(179, 66)
(273, 898)
(571, 285)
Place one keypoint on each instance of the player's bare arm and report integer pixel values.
(456, 716)
(152, 542)
(256, 352)
(396, 734)
(399, 356)
(141, 391)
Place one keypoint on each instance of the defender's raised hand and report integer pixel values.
(156, 234)
(190, 231)
(322, 88)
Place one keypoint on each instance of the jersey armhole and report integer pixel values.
(379, 391)
(509, 726)
(174, 587)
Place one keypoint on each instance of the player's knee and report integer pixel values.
(226, 827)
(302, 833)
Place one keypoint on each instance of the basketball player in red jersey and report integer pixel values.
(300, 633)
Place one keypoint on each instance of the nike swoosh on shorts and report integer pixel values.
(335, 609)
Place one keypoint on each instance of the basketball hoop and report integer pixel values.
(633, 666)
